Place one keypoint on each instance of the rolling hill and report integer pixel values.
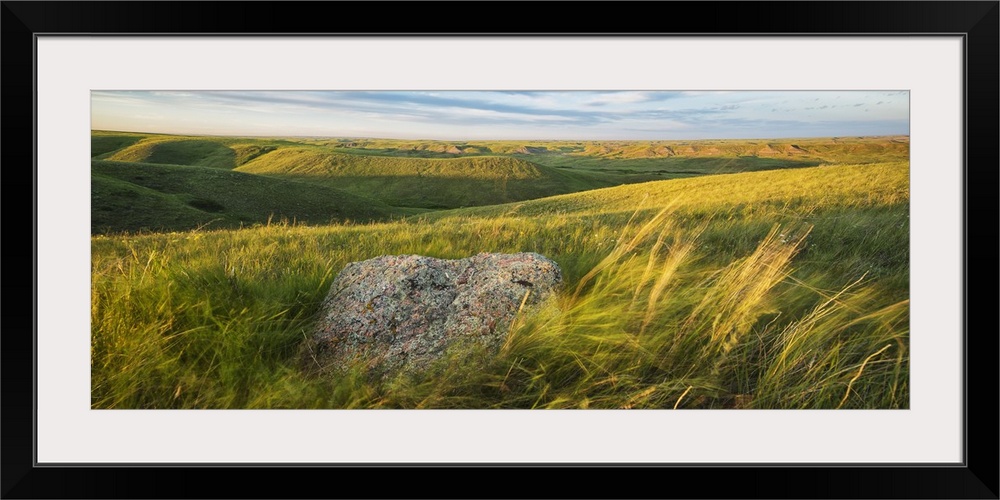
(777, 289)
(128, 196)
(782, 190)
(374, 179)
(429, 183)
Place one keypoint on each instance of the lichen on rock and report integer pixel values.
(403, 312)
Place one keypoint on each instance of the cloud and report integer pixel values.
(606, 98)
(529, 113)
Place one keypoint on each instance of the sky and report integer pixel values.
(502, 115)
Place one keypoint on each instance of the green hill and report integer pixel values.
(843, 150)
(219, 152)
(435, 175)
(742, 193)
(860, 214)
(128, 196)
(779, 289)
(103, 144)
(423, 182)
(205, 153)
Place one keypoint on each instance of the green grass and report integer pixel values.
(779, 289)
(151, 197)
(104, 144)
(433, 175)
(739, 194)
(422, 182)
(204, 153)
(810, 150)
(633, 170)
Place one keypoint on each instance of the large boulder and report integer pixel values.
(402, 312)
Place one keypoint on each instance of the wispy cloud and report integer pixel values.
(506, 114)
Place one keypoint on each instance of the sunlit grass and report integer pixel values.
(767, 290)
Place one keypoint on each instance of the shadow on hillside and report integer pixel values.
(105, 145)
(677, 165)
(439, 193)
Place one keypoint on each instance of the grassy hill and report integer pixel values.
(128, 196)
(103, 144)
(625, 160)
(778, 289)
(853, 208)
(782, 284)
(741, 194)
(422, 182)
(178, 152)
(218, 152)
(825, 150)
(443, 175)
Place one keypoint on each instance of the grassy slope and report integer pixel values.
(205, 151)
(441, 174)
(861, 213)
(708, 305)
(884, 183)
(104, 144)
(825, 150)
(632, 170)
(142, 196)
(118, 205)
(422, 182)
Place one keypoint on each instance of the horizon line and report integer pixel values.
(494, 140)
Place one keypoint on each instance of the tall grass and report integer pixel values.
(663, 310)
(650, 329)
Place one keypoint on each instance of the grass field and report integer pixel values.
(376, 180)
(150, 197)
(773, 281)
(422, 182)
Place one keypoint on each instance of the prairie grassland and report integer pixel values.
(434, 183)
(162, 197)
(776, 289)
(381, 179)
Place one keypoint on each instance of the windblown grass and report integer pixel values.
(688, 298)
(651, 329)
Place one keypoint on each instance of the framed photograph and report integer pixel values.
(786, 209)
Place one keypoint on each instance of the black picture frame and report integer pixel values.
(976, 477)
